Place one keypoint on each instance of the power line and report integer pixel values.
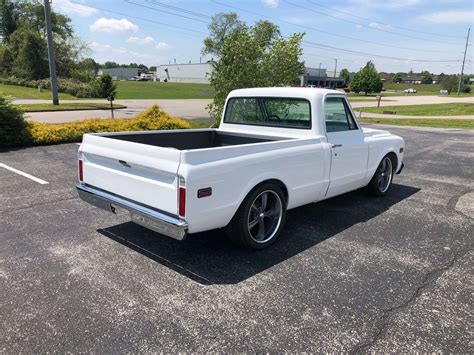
(363, 25)
(175, 8)
(342, 50)
(167, 12)
(385, 24)
(315, 29)
(141, 19)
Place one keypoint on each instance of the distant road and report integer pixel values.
(189, 109)
(196, 108)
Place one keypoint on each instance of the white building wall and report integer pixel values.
(185, 73)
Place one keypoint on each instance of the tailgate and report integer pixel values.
(142, 173)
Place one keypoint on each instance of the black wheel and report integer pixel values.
(260, 218)
(382, 179)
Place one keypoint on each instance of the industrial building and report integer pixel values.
(120, 73)
(321, 77)
(198, 73)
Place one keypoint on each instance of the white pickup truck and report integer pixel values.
(275, 149)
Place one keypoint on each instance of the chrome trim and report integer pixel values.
(157, 221)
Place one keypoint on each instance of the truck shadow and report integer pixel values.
(209, 258)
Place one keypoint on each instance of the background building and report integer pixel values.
(120, 73)
(198, 73)
(322, 78)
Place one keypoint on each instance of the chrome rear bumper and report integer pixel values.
(149, 218)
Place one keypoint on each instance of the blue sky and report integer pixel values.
(398, 35)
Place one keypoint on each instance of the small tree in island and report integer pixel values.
(367, 80)
(249, 56)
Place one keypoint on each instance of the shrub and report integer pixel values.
(466, 89)
(68, 86)
(13, 126)
(104, 86)
(152, 119)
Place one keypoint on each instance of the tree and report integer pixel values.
(449, 82)
(397, 78)
(367, 80)
(24, 50)
(29, 52)
(104, 86)
(109, 65)
(249, 56)
(345, 75)
(8, 19)
(222, 26)
(426, 77)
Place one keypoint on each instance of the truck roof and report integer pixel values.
(300, 92)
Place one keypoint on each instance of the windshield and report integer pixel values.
(269, 111)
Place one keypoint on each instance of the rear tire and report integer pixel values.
(260, 218)
(382, 179)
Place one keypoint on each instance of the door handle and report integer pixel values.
(336, 145)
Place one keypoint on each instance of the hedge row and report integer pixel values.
(36, 133)
(68, 86)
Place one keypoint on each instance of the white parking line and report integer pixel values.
(19, 172)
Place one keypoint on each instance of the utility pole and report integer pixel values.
(52, 60)
(319, 74)
(335, 69)
(463, 61)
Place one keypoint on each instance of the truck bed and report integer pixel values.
(188, 139)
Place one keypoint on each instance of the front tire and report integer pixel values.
(382, 179)
(260, 218)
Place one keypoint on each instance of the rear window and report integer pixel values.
(269, 111)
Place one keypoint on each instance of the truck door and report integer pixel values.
(349, 152)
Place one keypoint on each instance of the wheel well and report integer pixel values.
(393, 157)
(277, 182)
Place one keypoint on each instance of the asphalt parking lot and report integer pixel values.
(353, 274)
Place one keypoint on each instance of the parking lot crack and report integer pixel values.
(38, 205)
(387, 314)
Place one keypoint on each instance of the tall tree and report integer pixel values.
(249, 56)
(8, 19)
(30, 59)
(397, 78)
(426, 77)
(222, 26)
(449, 82)
(345, 75)
(367, 80)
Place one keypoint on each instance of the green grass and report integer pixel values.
(368, 99)
(76, 106)
(394, 89)
(441, 123)
(161, 90)
(422, 89)
(21, 92)
(197, 123)
(425, 110)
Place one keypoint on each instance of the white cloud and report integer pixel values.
(453, 16)
(161, 45)
(113, 25)
(69, 7)
(147, 40)
(380, 26)
(99, 47)
(271, 3)
(141, 40)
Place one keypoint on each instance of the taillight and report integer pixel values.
(81, 174)
(182, 202)
(181, 196)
